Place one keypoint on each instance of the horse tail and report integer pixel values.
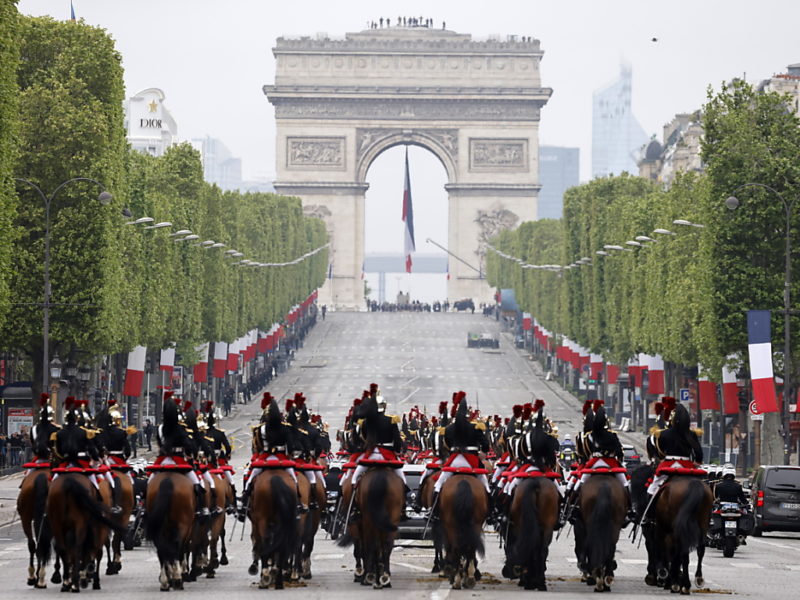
(468, 534)
(94, 509)
(284, 503)
(529, 540)
(158, 526)
(638, 486)
(600, 544)
(41, 525)
(376, 502)
(685, 527)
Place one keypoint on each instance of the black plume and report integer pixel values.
(600, 420)
(461, 427)
(274, 418)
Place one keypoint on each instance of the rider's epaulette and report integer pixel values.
(440, 430)
(480, 425)
(90, 433)
(697, 431)
(655, 430)
(53, 436)
(131, 429)
(360, 422)
(395, 419)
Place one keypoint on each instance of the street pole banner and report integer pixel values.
(134, 374)
(200, 372)
(655, 369)
(759, 347)
(167, 362)
(233, 356)
(220, 359)
(707, 390)
(730, 390)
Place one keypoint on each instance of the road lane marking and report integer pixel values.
(413, 567)
(634, 561)
(328, 556)
(746, 565)
(777, 545)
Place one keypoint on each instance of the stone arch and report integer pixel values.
(442, 143)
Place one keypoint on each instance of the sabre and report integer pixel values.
(430, 516)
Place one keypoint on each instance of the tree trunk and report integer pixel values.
(771, 440)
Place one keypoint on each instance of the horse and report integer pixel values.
(682, 514)
(602, 502)
(170, 506)
(32, 509)
(78, 520)
(534, 515)
(380, 498)
(216, 530)
(274, 526)
(657, 570)
(124, 484)
(463, 506)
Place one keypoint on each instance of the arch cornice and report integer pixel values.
(371, 142)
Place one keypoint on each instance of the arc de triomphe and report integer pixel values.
(339, 103)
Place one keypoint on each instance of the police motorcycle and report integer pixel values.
(731, 522)
(135, 532)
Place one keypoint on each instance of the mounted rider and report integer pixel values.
(537, 451)
(465, 439)
(305, 441)
(178, 450)
(381, 433)
(42, 436)
(220, 444)
(74, 450)
(581, 454)
(117, 448)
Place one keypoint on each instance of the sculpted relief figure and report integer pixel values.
(315, 152)
(490, 223)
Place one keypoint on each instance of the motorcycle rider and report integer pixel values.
(730, 490)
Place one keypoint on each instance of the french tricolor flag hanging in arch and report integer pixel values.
(408, 219)
(759, 346)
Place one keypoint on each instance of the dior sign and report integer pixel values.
(498, 154)
(315, 152)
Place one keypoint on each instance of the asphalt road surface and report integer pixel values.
(419, 359)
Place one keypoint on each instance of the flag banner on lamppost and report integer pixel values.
(220, 359)
(730, 390)
(707, 390)
(655, 369)
(200, 372)
(759, 347)
(134, 374)
(595, 365)
(167, 362)
(635, 372)
(612, 372)
(233, 356)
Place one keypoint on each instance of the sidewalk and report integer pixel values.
(9, 490)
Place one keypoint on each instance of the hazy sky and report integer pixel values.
(212, 57)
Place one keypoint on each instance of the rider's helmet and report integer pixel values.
(728, 472)
(114, 413)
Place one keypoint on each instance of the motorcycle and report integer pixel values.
(730, 524)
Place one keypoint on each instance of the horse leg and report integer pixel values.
(163, 577)
(358, 573)
(56, 577)
(385, 577)
(116, 547)
(686, 583)
(96, 574)
(699, 581)
(31, 553)
(223, 559)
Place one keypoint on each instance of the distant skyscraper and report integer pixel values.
(617, 137)
(559, 169)
(149, 126)
(219, 166)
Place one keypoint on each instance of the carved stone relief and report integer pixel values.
(320, 211)
(498, 154)
(315, 152)
(490, 223)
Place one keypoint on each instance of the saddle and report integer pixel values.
(37, 464)
(466, 470)
(179, 465)
(679, 466)
(80, 466)
(611, 466)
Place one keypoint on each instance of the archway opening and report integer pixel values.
(384, 229)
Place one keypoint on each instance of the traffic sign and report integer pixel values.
(684, 395)
(754, 408)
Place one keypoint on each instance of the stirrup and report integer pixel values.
(116, 510)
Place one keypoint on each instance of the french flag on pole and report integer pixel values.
(134, 374)
(759, 346)
(408, 218)
(220, 359)
(201, 368)
(656, 372)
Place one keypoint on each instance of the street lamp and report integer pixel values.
(687, 223)
(732, 202)
(104, 198)
(55, 368)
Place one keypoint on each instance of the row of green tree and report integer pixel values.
(114, 285)
(684, 296)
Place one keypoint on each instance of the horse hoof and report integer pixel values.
(223, 561)
(252, 569)
(699, 582)
(590, 580)
(31, 580)
(384, 580)
(40, 587)
(56, 578)
(662, 573)
(469, 583)
(358, 578)
(609, 579)
(165, 589)
(478, 575)
(96, 585)
(675, 588)
(210, 574)
(650, 580)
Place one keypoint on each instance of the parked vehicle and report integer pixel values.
(730, 525)
(415, 525)
(482, 340)
(775, 494)
(631, 457)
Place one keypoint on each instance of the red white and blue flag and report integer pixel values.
(408, 218)
(134, 374)
(71, 12)
(759, 347)
(730, 389)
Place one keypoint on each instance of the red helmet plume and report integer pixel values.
(289, 405)
(587, 405)
(265, 400)
(443, 407)
(208, 406)
(658, 408)
(357, 401)
(187, 405)
(527, 410)
(112, 402)
(43, 398)
(517, 411)
(69, 402)
(299, 400)
(596, 404)
(168, 394)
(538, 405)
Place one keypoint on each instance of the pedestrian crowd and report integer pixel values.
(15, 449)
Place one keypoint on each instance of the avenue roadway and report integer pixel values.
(418, 359)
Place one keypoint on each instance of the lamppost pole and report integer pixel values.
(104, 198)
(732, 202)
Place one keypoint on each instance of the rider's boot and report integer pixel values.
(116, 489)
(244, 505)
(232, 508)
(200, 500)
(630, 515)
(215, 510)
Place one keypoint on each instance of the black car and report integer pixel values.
(632, 458)
(775, 494)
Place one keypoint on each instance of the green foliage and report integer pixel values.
(9, 57)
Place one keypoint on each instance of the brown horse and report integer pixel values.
(170, 506)
(463, 506)
(123, 482)
(682, 515)
(32, 509)
(310, 525)
(79, 521)
(602, 504)
(216, 531)
(534, 514)
(273, 514)
(379, 497)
